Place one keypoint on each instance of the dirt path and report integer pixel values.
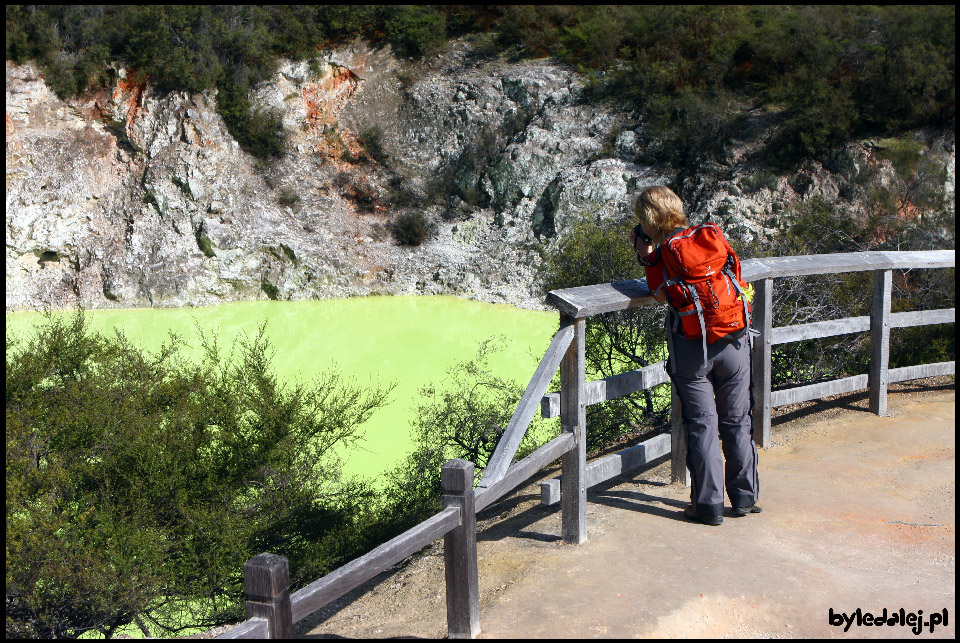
(859, 512)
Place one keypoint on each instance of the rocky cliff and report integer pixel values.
(125, 197)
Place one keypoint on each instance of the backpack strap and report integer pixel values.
(743, 298)
(699, 311)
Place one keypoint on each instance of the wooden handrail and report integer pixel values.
(340, 581)
(566, 351)
(585, 301)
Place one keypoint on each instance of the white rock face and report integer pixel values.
(124, 197)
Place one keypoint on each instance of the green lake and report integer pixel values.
(410, 341)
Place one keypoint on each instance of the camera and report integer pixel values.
(640, 234)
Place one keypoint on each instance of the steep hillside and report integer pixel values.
(128, 197)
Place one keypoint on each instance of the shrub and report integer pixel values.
(138, 484)
(370, 138)
(463, 417)
(288, 197)
(410, 228)
(269, 289)
(258, 131)
(817, 227)
(416, 30)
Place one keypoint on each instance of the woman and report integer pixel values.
(711, 379)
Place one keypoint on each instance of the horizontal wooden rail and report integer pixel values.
(610, 388)
(519, 472)
(337, 583)
(772, 267)
(923, 317)
(613, 465)
(818, 330)
(816, 391)
(829, 328)
(906, 373)
(254, 628)
(585, 301)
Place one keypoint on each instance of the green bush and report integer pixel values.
(416, 30)
(410, 228)
(288, 197)
(138, 484)
(258, 131)
(464, 416)
(370, 138)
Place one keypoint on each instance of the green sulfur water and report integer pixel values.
(410, 341)
(371, 341)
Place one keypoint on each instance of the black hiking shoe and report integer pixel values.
(743, 511)
(692, 514)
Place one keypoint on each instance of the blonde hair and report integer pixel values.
(662, 210)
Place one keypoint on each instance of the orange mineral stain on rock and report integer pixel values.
(129, 92)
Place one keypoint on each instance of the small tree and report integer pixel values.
(598, 251)
(138, 484)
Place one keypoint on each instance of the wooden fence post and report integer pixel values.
(573, 419)
(880, 340)
(679, 474)
(266, 583)
(762, 353)
(460, 552)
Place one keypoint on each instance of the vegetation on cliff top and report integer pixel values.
(830, 72)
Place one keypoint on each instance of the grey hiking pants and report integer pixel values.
(717, 402)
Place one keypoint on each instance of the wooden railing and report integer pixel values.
(272, 610)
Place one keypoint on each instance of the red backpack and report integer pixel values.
(703, 284)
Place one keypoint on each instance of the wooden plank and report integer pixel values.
(550, 405)
(829, 328)
(550, 491)
(923, 317)
(880, 340)
(816, 391)
(825, 264)
(266, 584)
(761, 361)
(584, 301)
(922, 258)
(603, 298)
(679, 474)
(521, 471)
(817, 330)
(627, 460)
(342, 580)
(573, 419)
(754, 269)
(460, 552)
(905, 373)
(253, 628)
(768, 267)
(610, 388)
(612, 466)
(527, 407)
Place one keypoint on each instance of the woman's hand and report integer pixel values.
(642, 248)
